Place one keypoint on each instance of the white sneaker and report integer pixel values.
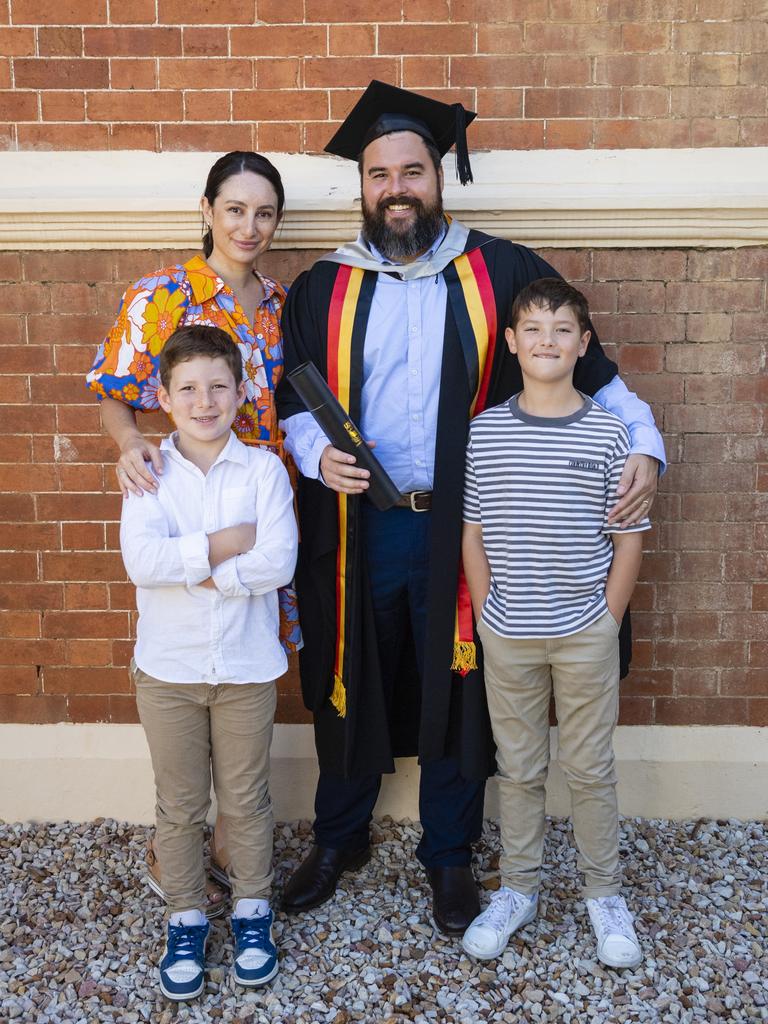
(489, 933)
(617, 944)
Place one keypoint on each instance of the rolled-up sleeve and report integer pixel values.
(306, 442)
(636, 414)
(271, 561)
(152, 557)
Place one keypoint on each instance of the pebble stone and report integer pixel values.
(80, 935)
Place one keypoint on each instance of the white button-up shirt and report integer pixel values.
(193, 634)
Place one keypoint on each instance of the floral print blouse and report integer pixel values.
(126, 366)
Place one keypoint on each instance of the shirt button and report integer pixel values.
(414, 373)
(415, 418)
(414, 330)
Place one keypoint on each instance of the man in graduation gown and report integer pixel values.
(407, 325)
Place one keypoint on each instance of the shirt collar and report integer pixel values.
(204, 282)
(233, 451)
(424, 256)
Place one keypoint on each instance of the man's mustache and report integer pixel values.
(384, 204)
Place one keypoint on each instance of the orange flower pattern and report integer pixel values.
(127, 362)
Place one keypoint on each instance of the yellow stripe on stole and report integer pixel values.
(477, 317)
(464, 651)
(344, 363)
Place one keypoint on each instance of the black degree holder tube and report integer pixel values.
(335, 423)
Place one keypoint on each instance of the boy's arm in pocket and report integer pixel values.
(622, 576)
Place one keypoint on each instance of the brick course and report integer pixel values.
(640, 73)
(687, 328)
(67, 613)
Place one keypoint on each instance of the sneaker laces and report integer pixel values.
(504, 903)
(615, 917)
(185, 943)
(252, 936)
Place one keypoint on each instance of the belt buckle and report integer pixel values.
(414, 495)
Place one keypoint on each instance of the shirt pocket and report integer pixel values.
(238, 505)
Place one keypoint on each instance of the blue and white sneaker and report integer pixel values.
(182, 969)
(255, 950)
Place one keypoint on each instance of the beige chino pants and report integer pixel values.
(520, 676)
(195, 730)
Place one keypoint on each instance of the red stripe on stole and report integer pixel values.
(463, 630)
(488, 299)
(334, 325)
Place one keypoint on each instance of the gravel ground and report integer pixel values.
(81, 933)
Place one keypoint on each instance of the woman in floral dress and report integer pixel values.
(241, 207)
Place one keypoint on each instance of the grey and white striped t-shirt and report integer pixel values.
(541, 488)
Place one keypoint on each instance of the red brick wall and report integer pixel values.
(277, 74)
(689, 330)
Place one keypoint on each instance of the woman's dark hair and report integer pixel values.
(235, 163)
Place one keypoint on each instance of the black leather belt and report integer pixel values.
(417, 501)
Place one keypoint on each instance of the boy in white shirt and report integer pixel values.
(207, 553)
(550, 577)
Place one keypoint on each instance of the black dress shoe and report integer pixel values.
(455, 902)
(314, 881)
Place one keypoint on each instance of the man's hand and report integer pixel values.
(132, 470)
(636, 490)
(340, 472)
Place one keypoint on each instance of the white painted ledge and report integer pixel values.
(80, 772)
(609, 198)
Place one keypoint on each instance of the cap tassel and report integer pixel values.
(463, 169)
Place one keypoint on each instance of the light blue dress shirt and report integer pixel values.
(401, 387)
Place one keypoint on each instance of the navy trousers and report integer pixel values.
(450, 806)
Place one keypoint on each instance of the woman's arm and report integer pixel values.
(125, 372)
(133, 474)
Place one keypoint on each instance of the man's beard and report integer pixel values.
(403, 243)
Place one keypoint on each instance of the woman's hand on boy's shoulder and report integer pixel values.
(637, 489)
(138, 457)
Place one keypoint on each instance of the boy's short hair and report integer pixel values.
(199, 340)
(550, 293)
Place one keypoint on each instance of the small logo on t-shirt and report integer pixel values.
(589, 464)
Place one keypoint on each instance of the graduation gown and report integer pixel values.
(446, 713)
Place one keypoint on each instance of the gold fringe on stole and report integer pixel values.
(339, 696)
(464, 656)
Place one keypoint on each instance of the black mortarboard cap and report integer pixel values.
(384, 108)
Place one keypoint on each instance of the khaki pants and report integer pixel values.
(195, 730)
(583, 672)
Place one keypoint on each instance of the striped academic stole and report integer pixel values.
(473, 304)
(474, 308)
(347, 321)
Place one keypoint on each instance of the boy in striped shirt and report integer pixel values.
(550, 579)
